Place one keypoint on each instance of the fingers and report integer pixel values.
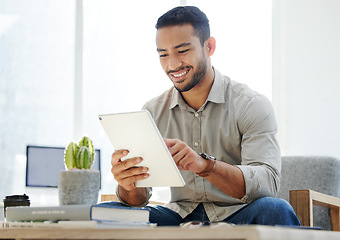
(185, 162)
(117, 156)
(125, 172)
(129, 183)
(182, 154)
(169, 142)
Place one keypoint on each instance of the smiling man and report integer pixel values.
(220, 133)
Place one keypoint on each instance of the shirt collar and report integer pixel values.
(177, 99)
(216, 94)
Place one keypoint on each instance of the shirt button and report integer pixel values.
(196, 114)
(196, 144)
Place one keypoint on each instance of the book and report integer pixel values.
(75, 224)
(106, 211)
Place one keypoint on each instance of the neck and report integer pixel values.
(198, 95)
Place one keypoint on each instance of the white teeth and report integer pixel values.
(180, 75)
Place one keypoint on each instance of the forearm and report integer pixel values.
(228, 178)
(135, 197)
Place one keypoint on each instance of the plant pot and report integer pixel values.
(78, 186)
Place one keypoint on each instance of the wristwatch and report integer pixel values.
(207, 156)
(210, 166)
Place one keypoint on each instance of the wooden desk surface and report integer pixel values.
(237, 232)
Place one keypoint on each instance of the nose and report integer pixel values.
(174, 63)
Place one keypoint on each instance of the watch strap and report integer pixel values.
(210, 167)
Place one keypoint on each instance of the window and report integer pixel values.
(36, 82)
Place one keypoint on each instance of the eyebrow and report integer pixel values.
(176, 47)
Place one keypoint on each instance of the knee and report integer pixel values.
(272, 205)
(276, 210)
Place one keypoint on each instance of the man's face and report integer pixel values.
(181, 55)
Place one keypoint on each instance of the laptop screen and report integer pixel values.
(43, 165)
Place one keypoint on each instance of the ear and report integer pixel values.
(211, 45)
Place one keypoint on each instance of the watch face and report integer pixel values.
(206, 156)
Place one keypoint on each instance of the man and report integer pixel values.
(204, 114)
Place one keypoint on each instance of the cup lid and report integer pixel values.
(16, 198)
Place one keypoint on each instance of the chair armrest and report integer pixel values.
(303, 200)
(113, 197)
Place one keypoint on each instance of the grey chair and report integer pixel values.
(312, 186)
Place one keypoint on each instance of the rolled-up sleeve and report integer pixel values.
(260, 151)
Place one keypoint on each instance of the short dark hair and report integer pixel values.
(187, 14)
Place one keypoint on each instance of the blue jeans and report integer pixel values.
(264, 211)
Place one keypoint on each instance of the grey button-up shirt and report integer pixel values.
(236, 125)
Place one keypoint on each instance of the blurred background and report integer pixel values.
(62, 63)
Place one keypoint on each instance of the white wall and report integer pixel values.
(306, 75)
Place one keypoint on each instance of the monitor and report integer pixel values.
(43, 165)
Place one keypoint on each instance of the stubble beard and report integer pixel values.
(196, 78)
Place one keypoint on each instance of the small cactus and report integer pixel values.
(86, 141)
(79, 156)
(84, 158)
(71, 155)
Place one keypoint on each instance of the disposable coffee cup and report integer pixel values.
(15, 200)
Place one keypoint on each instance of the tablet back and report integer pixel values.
(138, 133)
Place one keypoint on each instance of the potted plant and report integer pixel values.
(79, 184)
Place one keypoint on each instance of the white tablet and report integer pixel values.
(138, 133)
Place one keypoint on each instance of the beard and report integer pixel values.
(196, 78)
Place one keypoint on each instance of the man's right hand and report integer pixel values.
(125, 172)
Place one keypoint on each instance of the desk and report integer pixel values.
(228, 233)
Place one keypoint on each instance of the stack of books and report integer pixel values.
(102, 215)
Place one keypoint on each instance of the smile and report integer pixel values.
(180, 75)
